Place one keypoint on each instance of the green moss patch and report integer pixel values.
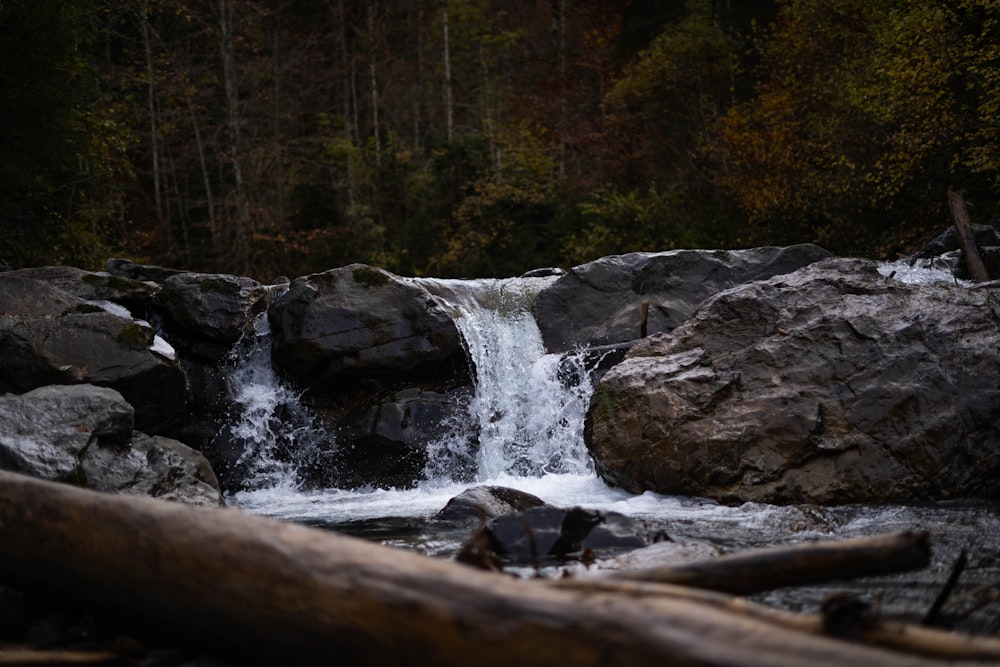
(370, 276)
(135, 336)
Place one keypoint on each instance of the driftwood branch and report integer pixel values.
(966, 239)
(811, 563)
(267, 592)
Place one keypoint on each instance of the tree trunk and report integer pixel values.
(154, 133)
(448, 103)
(227, 27)
(967, 241)
(275, 593)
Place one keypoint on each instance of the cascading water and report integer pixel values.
(275, 432)
(528, 408)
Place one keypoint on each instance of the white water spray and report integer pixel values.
(276, 432)
(528, 406)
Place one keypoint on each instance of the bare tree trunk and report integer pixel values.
(966, 239)
(448, 103)
(206, 179)
(154, 134)
(350, 132)
(227, 26)
(374, 83)
(276, 593)
(560, 8)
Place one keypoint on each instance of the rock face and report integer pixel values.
(830, 384)
(48, 336)
(83, 434)
(355, 321)
(600, 303)
(207, 313)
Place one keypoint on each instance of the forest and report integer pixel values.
(483, 138)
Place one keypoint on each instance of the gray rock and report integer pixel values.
(539, 534)
(600, 303)
(830, 384)
(135, 295)
(143, 272)
(83, 434)
(480, 503)
(48, 336)
(207, 314)
(359, 320)
(44, 432)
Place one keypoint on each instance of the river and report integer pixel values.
(529, 422)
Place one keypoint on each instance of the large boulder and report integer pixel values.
(830, 384)
(207, 313)
(600, 303)
(359, 321)
(135, 295)
(48, 336)
(83, 434)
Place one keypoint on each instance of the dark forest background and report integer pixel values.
(481, 137)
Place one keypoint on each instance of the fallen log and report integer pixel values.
(878, 631)
(762, 570)
(267, 592)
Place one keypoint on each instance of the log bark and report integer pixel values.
(966, 239)
(878, 632)
(267, 592)
(812, 563)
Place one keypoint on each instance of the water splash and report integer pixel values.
(277, 435)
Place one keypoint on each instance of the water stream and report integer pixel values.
(529, 421)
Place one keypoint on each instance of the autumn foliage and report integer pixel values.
(485, 138)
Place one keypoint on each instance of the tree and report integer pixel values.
(865, 115)
(62, 167)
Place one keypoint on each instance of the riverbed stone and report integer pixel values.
(356, 321)
(600, 302)
(83, 434)
(543, 534)
(830, 384)
(480, 503)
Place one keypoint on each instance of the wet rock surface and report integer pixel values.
(206, 314)
(49, 336)
(359, 320)
(83, 435)
(600, 303)
(544, 534)
(831, 384)
(477, 504)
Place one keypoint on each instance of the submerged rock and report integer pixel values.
(600, 302)
(829, 384)
(83, 435)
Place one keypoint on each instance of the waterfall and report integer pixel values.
(524, 420)
(276, 435)
(528, 408)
